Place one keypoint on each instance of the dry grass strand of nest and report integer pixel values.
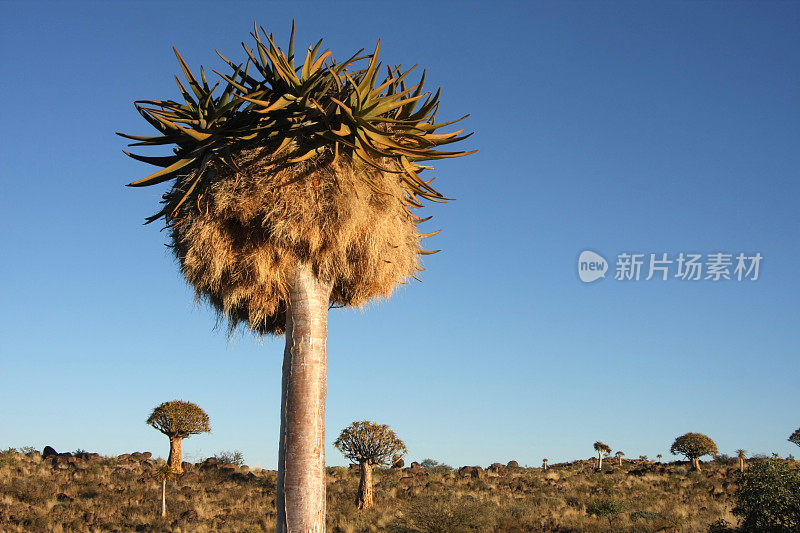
(240, 242)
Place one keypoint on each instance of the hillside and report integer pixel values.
(88, 492)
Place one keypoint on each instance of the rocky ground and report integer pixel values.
(88, 492)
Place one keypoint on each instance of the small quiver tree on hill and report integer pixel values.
(741, 455)
(659, 457)
(544, 464)
(178, 420)
(162, 474)
(619, 455)
(368, 444)
(601, 449)
(293, 191)
(693, 446)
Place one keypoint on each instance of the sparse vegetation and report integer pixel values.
(119, 494)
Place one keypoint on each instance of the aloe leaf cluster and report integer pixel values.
(318, 109)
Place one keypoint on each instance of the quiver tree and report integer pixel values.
(795, 437)
(294, 191)
(162, 474)
(619, 455)
(693, 446)
(369, 444)
(544, 464)
(601, 449)
(659, 457)
(178, 420)
(741, 455)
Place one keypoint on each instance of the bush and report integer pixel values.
(725, 459)
(445, 513)
(605, 508)
(768, 498)
(230, 457)
(436, 467)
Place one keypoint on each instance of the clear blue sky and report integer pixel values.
(646, 127)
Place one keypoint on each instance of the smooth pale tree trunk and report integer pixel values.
(600, 460)
(741, 465)
(620, 460)
(163, 497)
(175, 457)
(301, 453)
(696, 464)
(364, 499)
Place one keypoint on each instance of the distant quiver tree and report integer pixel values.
(795, 437)
(601, 449)
(741, 455)
(178, 420)
(369, 444)
(693, 446)
(292, 191)
(619, 455)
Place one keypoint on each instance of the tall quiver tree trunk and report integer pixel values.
(164, 497)
(301, 454)
(364, 499)
(175, 457)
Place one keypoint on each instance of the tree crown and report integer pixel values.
(620, 453)
(297, 162)
(368, 442)
(601, 447)
(179, 419)
(319, 108)
(795, 437)
(693, 445)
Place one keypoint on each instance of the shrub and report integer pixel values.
(436, 467)
(645, 515)
(724, 459)
(445, 513)
(768, 498)
(230, 457)
(607, 508)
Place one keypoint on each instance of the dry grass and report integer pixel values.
(104, 494)
(240, 242)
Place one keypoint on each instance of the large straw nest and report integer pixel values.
(243, 238)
